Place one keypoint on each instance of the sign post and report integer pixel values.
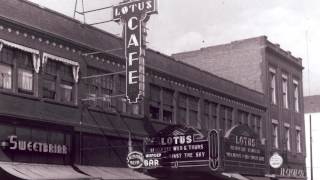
(134, 16)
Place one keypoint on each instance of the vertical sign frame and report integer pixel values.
(134, 15)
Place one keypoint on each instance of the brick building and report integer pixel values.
(57, 124)
(260, 65)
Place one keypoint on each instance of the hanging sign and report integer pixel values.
(177, 146)
(134, 15)
(276, 160)
(243, 151)
(135, 160)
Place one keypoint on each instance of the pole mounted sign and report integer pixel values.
(134, 14)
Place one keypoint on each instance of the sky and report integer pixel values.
(184, 25)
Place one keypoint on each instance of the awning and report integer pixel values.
(258, 178)
(235, 176)
(108, 173)
(42, 171)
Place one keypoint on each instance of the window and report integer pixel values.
(5, 77)
(182, 119)
(244, 117)
(287, 137)
(50, 78)
(193, 104)
(167, 99)
(100, 89)
(275, 136)
(66, 93)
(296, 95)
(25, 80)
(49, 89)
(226, 117)
(272, 76)
(255, 124)
(155, 102)
(285, 90)
(298, 138)
(154, 112)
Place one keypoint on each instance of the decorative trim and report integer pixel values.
(295, 81)
(298, 128)
(286, 125)
(75, 72)
(75, 65)
(272, 69)
(36, 62)
(17, 46)
(274, 121)
(284, 76)
(57, 58)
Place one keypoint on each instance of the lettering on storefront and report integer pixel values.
(134, 16)
(243, 146)
(181, 147)
(292, 172)
(29, 146)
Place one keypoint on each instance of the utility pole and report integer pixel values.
(311, 163)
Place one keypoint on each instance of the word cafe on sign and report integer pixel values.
(134, 15)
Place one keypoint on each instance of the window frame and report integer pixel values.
(275, 134)
(296, 95)
(273, 85)
(285, 97)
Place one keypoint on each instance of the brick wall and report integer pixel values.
(238, 61)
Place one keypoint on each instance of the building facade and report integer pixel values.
(260, 65)
(57, 121)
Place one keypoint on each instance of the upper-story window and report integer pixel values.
(59, 78)
(188, 107)
(272, 80)
(155, 102)
(168, 111)
(25, 72)
(5, 76)
(296, 95)
(100, 88)
(285, 90)
(182, 108)
(226, 115)
(210, 114)
(193, 111)
(18, 64)
(275, 134)
(255, 124)
(243, 117)
(298, 139)
(287, 136)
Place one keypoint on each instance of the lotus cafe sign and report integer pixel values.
(134, 16)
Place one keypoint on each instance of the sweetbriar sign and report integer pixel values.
(243, 150)
(15, 144)
(134, 15)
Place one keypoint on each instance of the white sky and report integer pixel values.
(183, 25)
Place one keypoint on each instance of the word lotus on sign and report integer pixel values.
(134, 15)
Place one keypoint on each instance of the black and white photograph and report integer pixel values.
(159, 90)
